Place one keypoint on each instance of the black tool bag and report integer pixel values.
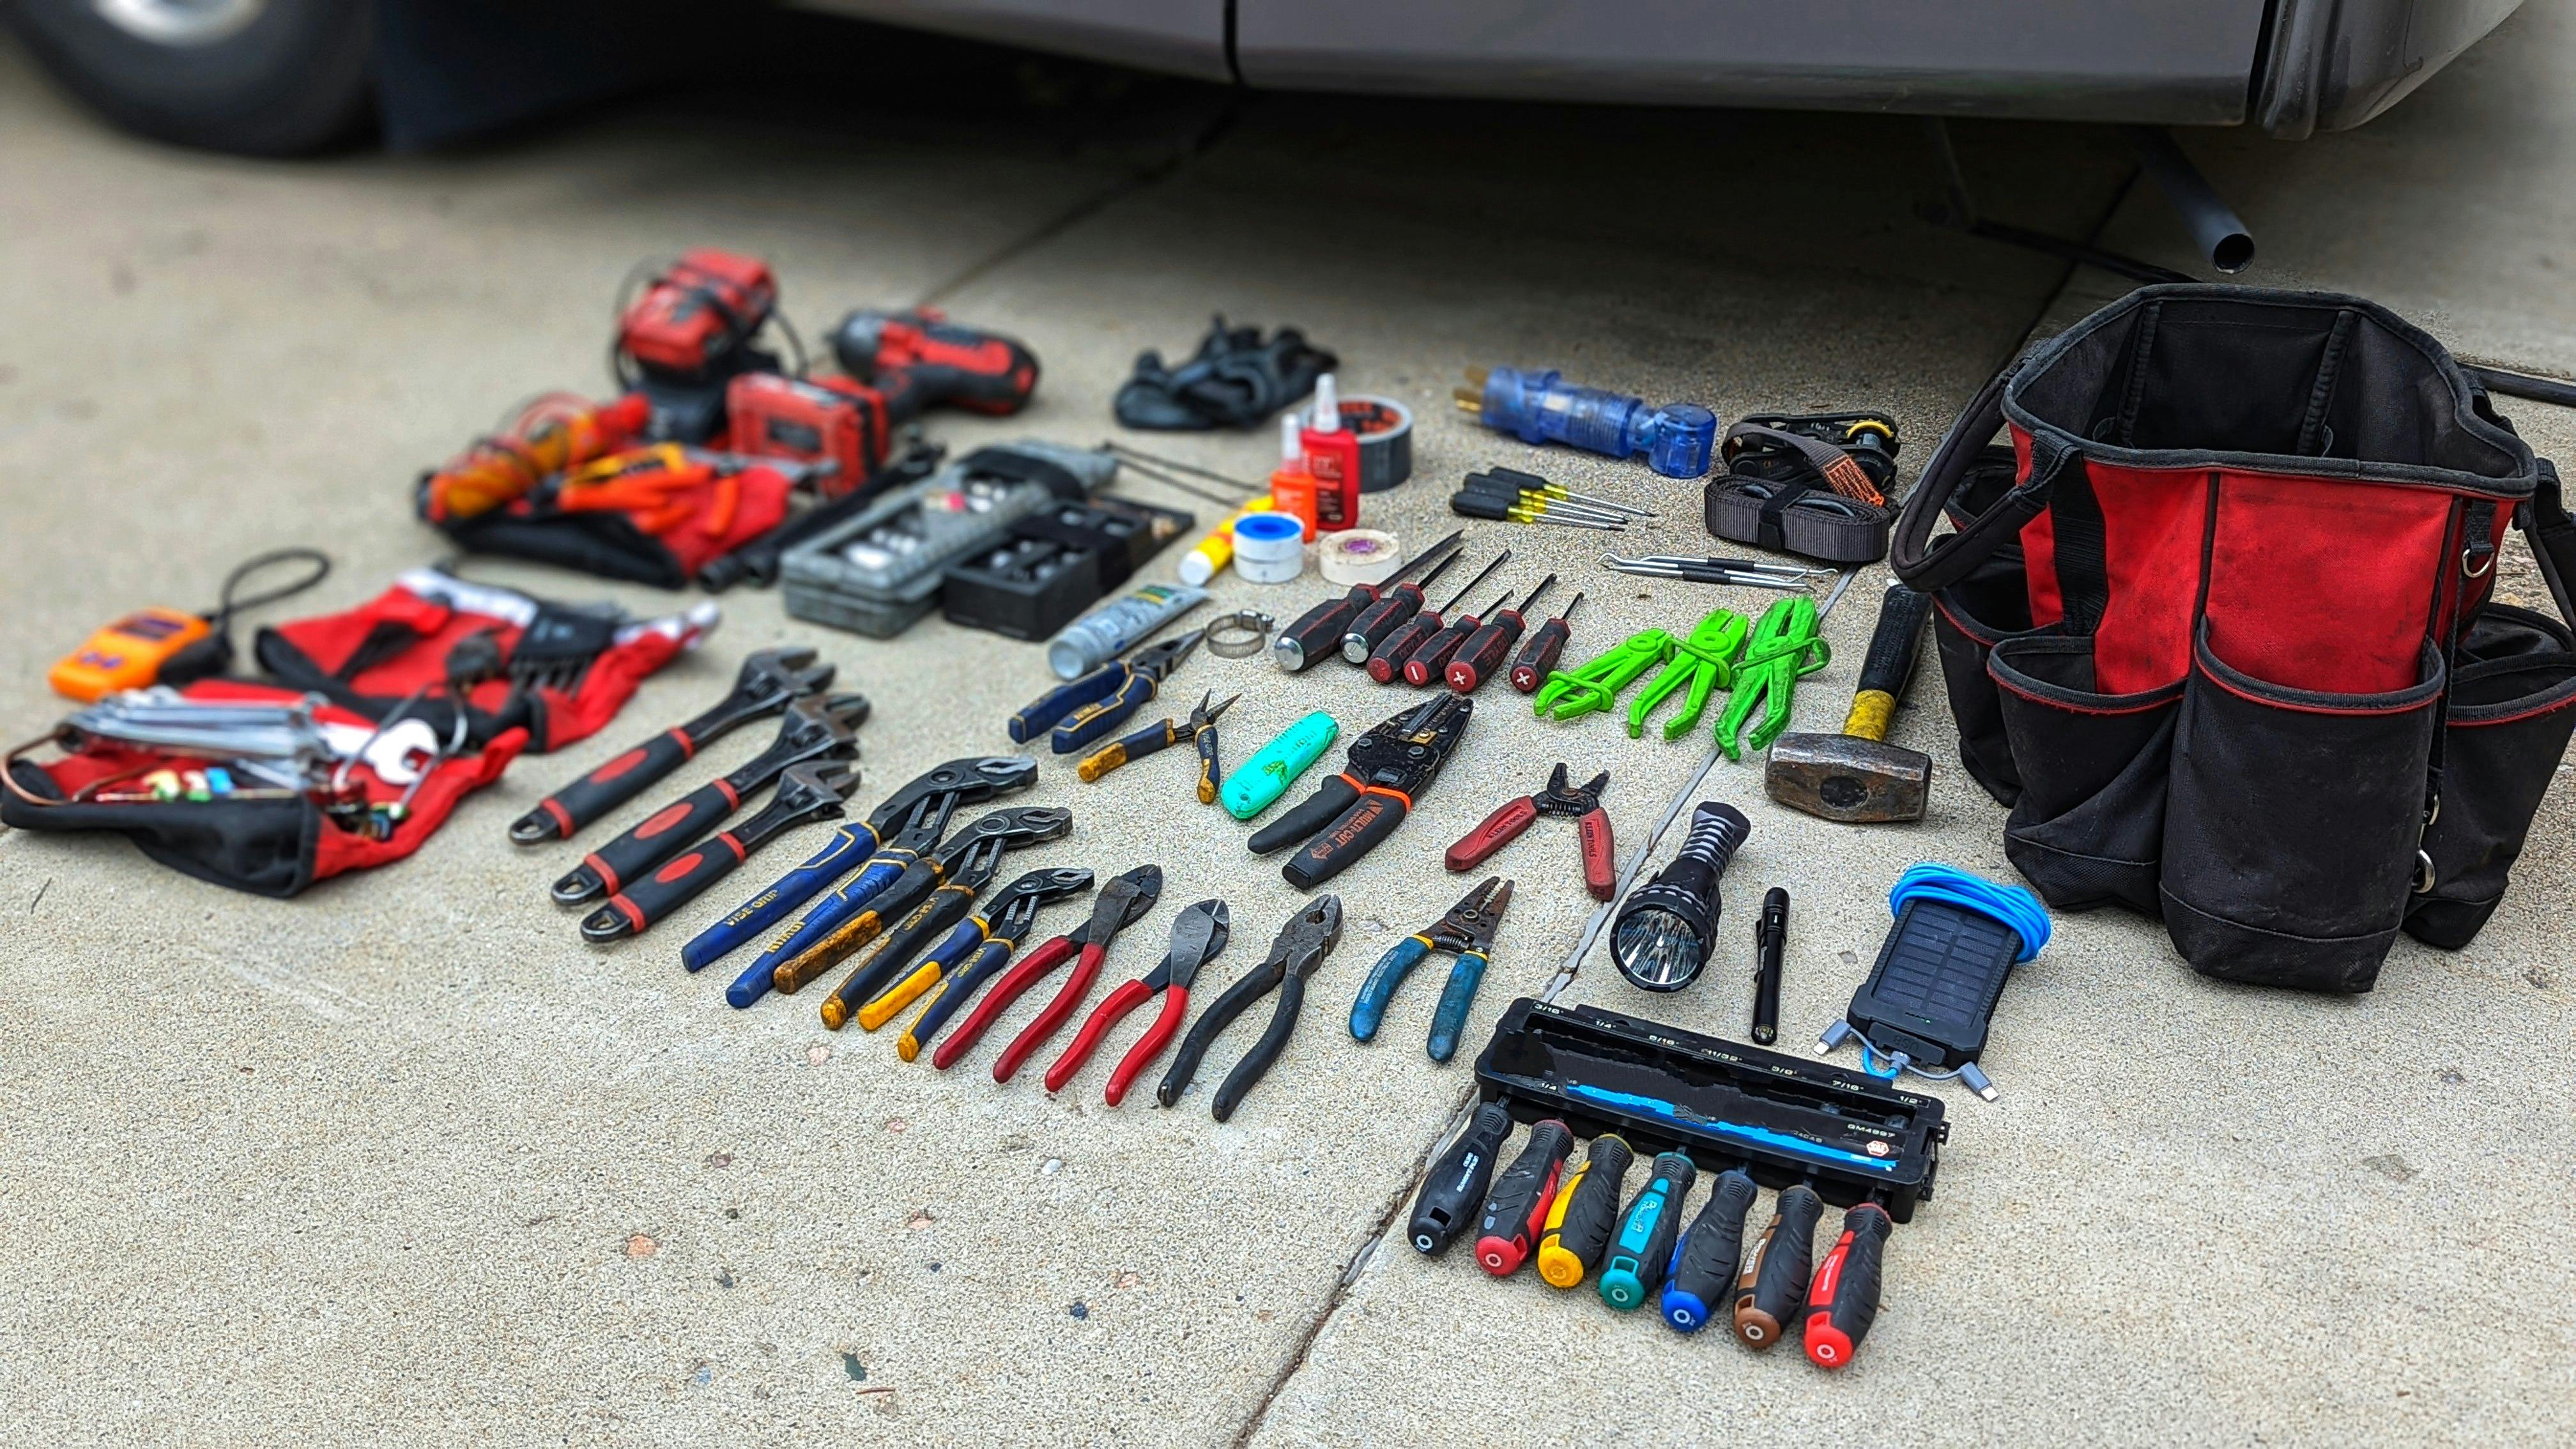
(2220, 628)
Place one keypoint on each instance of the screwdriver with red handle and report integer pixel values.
(1844, 1301)
(1320, 630)
(1539, 651)
(1392, 608)
(1484, 650)
(1386, 661)
(1434, 655)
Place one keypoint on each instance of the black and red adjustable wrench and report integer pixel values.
(815, 790)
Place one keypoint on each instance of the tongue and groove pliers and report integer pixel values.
(1121, 904)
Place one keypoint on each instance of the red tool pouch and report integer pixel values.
(2220, 628)
(269, 847)
(377, 656)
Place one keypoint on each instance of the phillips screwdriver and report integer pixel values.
(1773, 1283)
(1391, 609)
(1485, 505)
(1534, 486)
(1435, 652)
(1704, 1265)
(1580, 1221)
(1483, 652)
(1539, 651)
(1643, 1247)
(1510, 1226)
(1456, 1186)
(1386, 661)
(1844, 1301)
(1319, 630)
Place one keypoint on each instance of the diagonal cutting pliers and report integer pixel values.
(1198, 934)
(1468, 931)
(1073, 715)
(1302, 945)
(1121, 903)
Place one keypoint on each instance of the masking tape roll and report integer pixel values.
(1358, 556)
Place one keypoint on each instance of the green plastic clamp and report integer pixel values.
(1785, 645)
(1572, 694)
(1705, 661)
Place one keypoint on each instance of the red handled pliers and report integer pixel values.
(1591, 829)
(1120, 904)
(1197, 935)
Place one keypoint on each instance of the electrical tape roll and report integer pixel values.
(1385, 430)
(1358, 556)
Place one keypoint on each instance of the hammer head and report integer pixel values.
(1847, 778)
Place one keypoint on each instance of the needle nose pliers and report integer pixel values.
(1197, 935)
(1302, 945)
(1580, 804)
(1468, 931)
(1073, 715)
(1156, 737)
(1120, 904)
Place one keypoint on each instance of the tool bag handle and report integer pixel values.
(1929, 569)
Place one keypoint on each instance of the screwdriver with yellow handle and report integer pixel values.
(1160, 736)
(1586, 1210)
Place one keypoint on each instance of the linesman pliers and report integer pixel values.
(1351, 812)
(1136, 891)
(1161, 737)
(1198, 934)
(1581, 805)
(1468, 931)
(1100, 701)
(1302, 945)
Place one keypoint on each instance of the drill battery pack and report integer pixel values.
(881, 570)
(1056, 563)
(1785, 1120)
(692, 330)
(836, 421)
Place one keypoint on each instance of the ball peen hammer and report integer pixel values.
(1857, 776)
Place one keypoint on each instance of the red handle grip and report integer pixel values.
(1095, 1026)
(1538, 656)
(1483, 653)
(1436, 652)
(1035, 1034)
(632, 910)
(1600, 865)
(1843, 1303)
(566, 811)
(1387, 660)
(1176, 1004)
(1031, 968)
(1500, 829)
(660, 835)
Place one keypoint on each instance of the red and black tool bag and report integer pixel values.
(2220, 631)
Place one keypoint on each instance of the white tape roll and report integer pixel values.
(1358, 556)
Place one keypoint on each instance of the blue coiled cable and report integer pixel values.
(2011, 905)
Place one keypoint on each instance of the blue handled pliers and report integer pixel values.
(1467, 930)
(1098, 702)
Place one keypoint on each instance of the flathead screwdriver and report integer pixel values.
(1386, 661)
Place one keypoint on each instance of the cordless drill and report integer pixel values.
(919, 360)
(689, 333)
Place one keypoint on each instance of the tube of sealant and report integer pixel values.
(1114, 628)
(1217, 549)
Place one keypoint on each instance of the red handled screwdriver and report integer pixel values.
(1391, 609)
(1483, 652)
(1386, 661)
(1844, 1301)
(1537, 658)
(1520, 1197)
(1320, 630)
(1440, 648)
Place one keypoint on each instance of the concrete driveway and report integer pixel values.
(403, 1161)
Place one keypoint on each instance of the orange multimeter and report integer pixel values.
(127, 654)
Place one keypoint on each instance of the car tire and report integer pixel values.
(253, 77)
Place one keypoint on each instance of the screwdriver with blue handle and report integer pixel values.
(1073, 715)
(964, 781)
(1703, 1268)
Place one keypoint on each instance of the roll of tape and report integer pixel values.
(1269, 548)
(1358, 556)
(1385, 430)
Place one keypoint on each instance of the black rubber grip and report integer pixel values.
(1573, 1248)
(665, 832)
(1255, 1065)
(1433, 655)
(927, 923)
(631, 911)
(1380, 619)
(1895, 643)
(1509, 1227)
(1704, 1268)
(1319, 810)
(1318, 632)
(1538, 655)
(1773, 1286)
(1456, 1186)
(1483, 652)
(576, 805)
(1844, 1301)
(1353, 834)
(1386, 661)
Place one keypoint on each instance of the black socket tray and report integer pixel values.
(1784, 1119)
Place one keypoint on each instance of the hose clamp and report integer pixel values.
(1239, 635)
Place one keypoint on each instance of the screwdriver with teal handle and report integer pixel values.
(1643, 1247)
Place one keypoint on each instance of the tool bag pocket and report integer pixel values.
(2088, 826)
(1972, 616)
(2293, 825)
(2512, 707)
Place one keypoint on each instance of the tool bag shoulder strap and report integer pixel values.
(2254, 682)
